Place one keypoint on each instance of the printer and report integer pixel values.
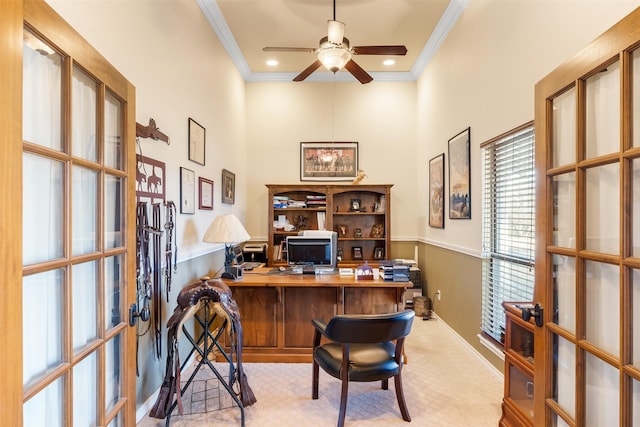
(255, 252)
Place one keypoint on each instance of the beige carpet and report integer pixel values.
(445, 385)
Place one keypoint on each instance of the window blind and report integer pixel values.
(508, 225)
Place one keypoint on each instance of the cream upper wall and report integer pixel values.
(169, 52)
(483, 77)
(380, 116)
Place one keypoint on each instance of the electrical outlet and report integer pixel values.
(439, 294)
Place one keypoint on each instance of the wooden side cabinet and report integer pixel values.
(517, 405)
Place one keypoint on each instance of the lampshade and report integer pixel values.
(335, 58)
(226, 229)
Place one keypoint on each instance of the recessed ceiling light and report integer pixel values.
(389, 62)
(272, 62)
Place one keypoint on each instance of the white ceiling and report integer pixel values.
(246, 26)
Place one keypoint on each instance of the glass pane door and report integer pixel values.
(74, 228)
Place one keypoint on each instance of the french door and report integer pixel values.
(587, 123)
(75, 352)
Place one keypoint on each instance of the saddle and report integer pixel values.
(190, 300)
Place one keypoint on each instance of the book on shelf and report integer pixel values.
(296, 204)
(280, 251)
(316, 201)
(322, 220)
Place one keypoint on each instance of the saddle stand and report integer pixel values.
(210, 303)
(206, 320)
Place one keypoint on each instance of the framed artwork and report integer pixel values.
(343, 230)
(205, 193)
(187, 191)
(355, 205)
(378, 253)
(356, 252)
(196, 142)
(436, 191)
(328, 161)
(460, 176)
(377, 231)
(228, 187)
(150, 178)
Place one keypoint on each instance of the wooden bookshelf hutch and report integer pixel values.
(367, 228)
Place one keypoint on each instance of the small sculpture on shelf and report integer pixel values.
(302, 222)
(360, 177)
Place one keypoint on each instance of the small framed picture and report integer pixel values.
(187, 191)
(378, 253)
(355, 205)
(377, 231)
(228, 187)
(343, 230)
(196, 142)
(205, 192)
(357, 232)
(356, 252)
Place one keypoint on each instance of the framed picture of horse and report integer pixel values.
(328, 161)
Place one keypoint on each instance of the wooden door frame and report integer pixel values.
(39, 15)
(11, 22)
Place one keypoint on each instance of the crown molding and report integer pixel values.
(214, 16)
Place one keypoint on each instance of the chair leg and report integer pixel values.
(400, 396)
(314, 381)
(343, 401)
(385, 384)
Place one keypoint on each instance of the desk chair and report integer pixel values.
(362, 348)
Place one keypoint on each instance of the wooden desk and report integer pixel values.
(276, 309)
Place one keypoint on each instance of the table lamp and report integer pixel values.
(227, 229)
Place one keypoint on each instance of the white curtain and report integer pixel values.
(45, 294)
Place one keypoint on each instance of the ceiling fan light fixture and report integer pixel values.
(334, 59)
(335, 32)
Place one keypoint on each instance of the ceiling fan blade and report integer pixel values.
(358, 72)
(335, 32)
(307, 71)
(289, 49)
(380, 50)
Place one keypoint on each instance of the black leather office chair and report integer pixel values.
(362, 348)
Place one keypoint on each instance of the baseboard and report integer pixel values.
(475, 352)
(146, 406)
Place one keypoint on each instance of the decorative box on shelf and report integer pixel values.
(364, 272)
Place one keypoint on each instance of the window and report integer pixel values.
(508, 225)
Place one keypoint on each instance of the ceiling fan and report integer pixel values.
(335, 52)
